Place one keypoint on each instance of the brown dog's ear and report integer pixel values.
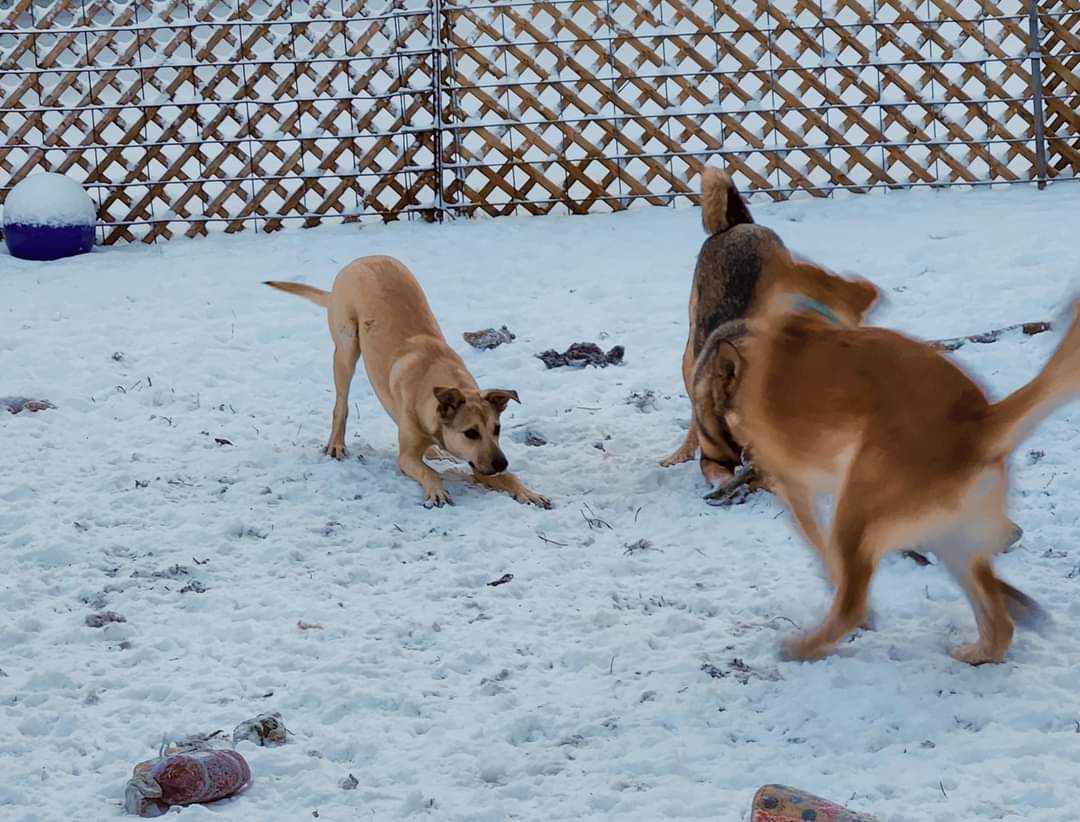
(861, 295)
(450, 400)
(728, 362)
(500, 397)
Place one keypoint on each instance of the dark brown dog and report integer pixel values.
(906, 443)
(726, 278)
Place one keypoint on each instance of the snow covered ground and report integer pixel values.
(602, 682)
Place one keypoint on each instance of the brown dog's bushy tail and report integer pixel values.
(1025, 611)
(308, 292)
(1012, 419)
(722, 206)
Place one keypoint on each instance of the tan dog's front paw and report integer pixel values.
(437, 498)
(336, 450)
(527, 497)
(973, 654)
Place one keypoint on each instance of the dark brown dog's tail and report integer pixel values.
(722, 207)
(308, 292)
(1025, 611)
(1012, 419)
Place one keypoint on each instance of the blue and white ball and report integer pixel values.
(48, 216)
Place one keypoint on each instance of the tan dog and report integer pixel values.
(377, 309)
(908, 445)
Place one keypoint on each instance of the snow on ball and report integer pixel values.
(48, 216)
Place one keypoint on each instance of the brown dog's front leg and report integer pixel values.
(686, 451)
(514, 487)
(412, 465)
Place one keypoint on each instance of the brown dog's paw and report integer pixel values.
(805, 648)
(973, 654)
(727, 495)
(680, 456)
(736, 489)
(338, 452)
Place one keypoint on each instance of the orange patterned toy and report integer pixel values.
(780, 803)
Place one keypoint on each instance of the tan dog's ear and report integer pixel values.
(500, 397)
(450, 400)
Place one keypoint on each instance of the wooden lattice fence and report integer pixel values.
(183, 115)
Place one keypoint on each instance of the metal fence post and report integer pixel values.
(437, 106)
(1035, 53)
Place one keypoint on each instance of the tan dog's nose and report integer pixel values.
(499, 464)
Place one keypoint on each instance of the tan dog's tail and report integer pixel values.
(1014, 417)
(722, 206)
(308, 292)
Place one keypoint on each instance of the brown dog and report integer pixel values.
(726, 276)
(908, 445)
(377, 309)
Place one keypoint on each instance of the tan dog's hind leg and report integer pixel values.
(514, 487)
(346, 353)
(967, 550)
(410, 460)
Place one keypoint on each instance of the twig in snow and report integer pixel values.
(917, 558)
(942, 786)
(635, 547)
(505, 578)
(593, 520)
(953, 343)
(787, 619)
(551, 541)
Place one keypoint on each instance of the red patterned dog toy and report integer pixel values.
(780, 803)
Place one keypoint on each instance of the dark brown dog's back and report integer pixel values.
(726, 276)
